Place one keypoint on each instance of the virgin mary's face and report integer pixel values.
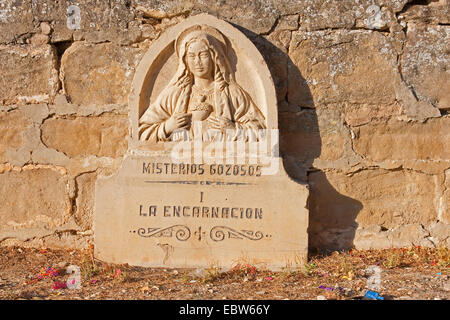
(199, 60)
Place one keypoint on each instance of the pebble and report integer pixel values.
(175, 272)
(321, 298)
(45, 28)
(193, 281)
(447, 286)
(260, 292)
(437, 298)
(200, 272)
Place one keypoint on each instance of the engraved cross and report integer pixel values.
(199, 233)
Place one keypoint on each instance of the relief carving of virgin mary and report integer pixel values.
(203, 91)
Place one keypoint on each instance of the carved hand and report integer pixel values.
(220, 123)
(177, 121)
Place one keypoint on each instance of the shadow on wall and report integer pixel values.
(332, 215)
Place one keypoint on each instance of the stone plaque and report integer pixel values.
(202, 183)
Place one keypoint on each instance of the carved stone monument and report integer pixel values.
(202, 184)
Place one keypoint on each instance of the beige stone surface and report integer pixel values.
(85, 186)
(60, 240)
(264, 221)
(425, 63)
(98, 73)
(435, 12)
(342, 66)
(204, 90)
(200, 213)
(13, 124)
(110, 18)
(160, 62)
(408, 235)
(312, 134)
(259, 17)
(39, 39)
(440, 233)
(445, 200)
(21, 133)
(29, 74)
(340, 203)
(276, 58)
(15, 20)
(323, 14)
(104, 136)
(360, 114)
(375, 71)
(399, 140)
(372, 237)
(416, 194)
(33, 198)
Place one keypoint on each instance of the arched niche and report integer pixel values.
(160, 63)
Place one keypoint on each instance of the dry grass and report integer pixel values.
(341, 275)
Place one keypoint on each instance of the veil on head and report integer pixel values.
(216, 42)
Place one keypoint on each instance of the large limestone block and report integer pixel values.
(342, 203)
(399, 140)
(359, 114)
(342, 66)
(257, 16)
(425, 63)
(29, 74)
(229, 200)
(445, 201)
(408, 235)
(34, 199)
(312, 134)
(346, 14)
(13, 125)
(104, 20)
(85, 200)
(440, 233)
(96, 74)
(16, 19)
(103, 136)
(434, 12)
(180, 219)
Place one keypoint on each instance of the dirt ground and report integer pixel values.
(395, 274)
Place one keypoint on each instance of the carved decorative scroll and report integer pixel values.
(181, 232)
(220, 233)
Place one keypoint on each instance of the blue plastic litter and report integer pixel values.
(373, 295)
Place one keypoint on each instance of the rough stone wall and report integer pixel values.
(363, 89)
